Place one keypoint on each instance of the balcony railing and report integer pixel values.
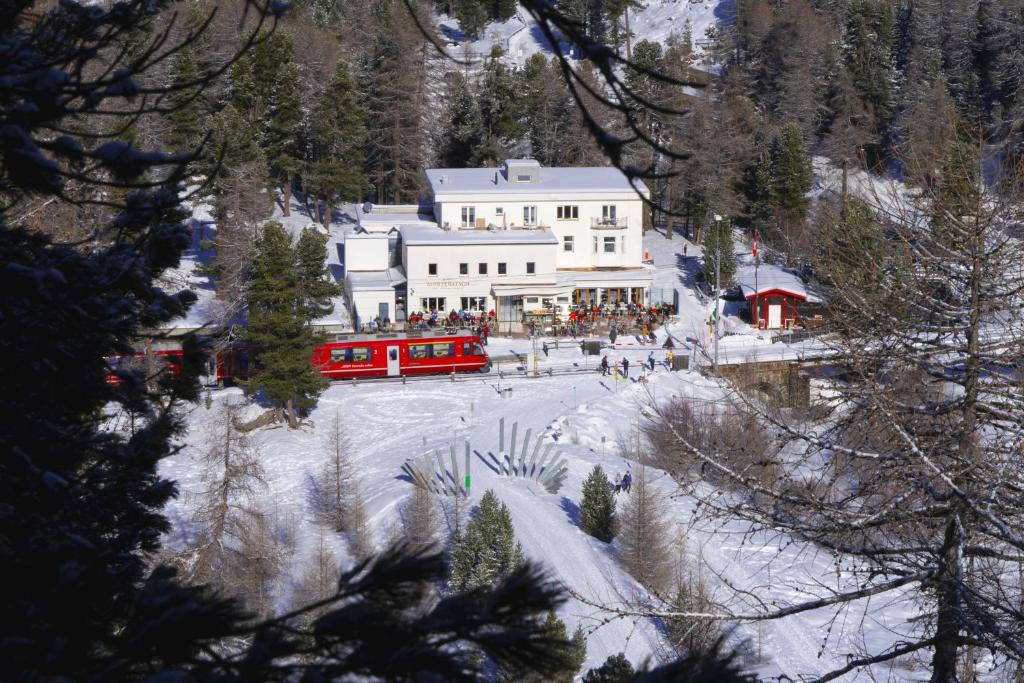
(608, 223)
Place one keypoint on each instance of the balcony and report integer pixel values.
(605, 223)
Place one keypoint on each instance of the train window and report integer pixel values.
(443, 350)
(477, 349)
(340, 355)
(361, 354)
(465, 348)
(418, 351)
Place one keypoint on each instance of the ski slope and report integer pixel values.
(593, 420)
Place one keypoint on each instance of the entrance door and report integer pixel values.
(774, 316)
(394, 364)
(382, 310)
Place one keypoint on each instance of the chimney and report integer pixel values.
(444, 180)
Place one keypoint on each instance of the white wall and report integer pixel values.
(629, 208)
(366, 252)
(365, 304)
(452, 285)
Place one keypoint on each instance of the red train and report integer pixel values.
(350, 357)
(391, 355)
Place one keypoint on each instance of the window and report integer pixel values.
(474, 303)
(609, 245)
(472, 349)
(563, 299)
(482, 268)
(463, 269)
(433, 303)
(443, 350)
(532, 299)
(531, 267)
(499, 211)
(502, 268)
(419, 351)
(608, 214)
(568, 213)
(595, 245)
(468, 216)
(567, 243)
(529, 215)
(431, 269)
(359, 354)
(523, 178)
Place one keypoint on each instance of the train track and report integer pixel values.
(552, 371)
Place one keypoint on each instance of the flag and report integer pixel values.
(755, 244)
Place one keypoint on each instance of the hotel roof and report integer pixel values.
(564, 180)
(415, 235)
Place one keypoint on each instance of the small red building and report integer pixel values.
(774, 295)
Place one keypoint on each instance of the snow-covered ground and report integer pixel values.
(593, 420)
(520, 37)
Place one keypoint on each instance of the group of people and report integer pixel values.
(622, 482)
(605, 367)
(455, 318)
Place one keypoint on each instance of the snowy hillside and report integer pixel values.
(592, 420)
(520, 37)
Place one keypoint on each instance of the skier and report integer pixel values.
(625, 367)
(604, 365)
(650, 360)
(627, 481)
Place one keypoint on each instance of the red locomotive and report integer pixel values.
(349, 356)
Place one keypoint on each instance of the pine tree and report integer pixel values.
(472, 16)
(184, 123)
(316, 288)
(282, 137)
(791, 173)
(718, 244)
(868, 43)
(505, 9)
(616, 669)
(338, 132)
(571, 651)
(487, 550)
(500, 110)
(597, 508)
(279, 330)
(464, 129)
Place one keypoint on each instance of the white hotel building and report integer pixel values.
(522, 240)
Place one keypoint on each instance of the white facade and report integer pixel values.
(521, 240)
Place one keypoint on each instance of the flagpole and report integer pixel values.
(757, 293)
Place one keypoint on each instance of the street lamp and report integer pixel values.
(718, 275)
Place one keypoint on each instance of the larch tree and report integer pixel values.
(420, 525)
(644, 541)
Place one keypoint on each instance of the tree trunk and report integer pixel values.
(629, 43)
(947, 628)
(293, 421)
(670, 218)
(286, 207)
(842, 209)
(279, 414)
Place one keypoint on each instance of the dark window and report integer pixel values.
(502, 268)
(530, 267)
(362, 354)
(443, 350)
(483, 269)
(463, 269)
(431, 269)
(419, 351)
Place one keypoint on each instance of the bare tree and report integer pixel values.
(644, 540)
(319, 580)
(420, 525)
(337, 499)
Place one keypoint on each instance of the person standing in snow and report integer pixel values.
(650, 360)
(627, 481)
(625, 367)
(544, 348)
(613, 334)
(604, 365)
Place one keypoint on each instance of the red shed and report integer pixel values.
(774, 295)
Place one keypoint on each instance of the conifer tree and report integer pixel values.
(500, 110)
(464, 129)
(571, 651)
(505, 9)
(488, 550)
(718, 244)
(185, 126)
(338, 131)
(279, 330)
(597, 508)
(282, 136)
(316, 289)
(472, 16)
(791, 173)
(616, 669)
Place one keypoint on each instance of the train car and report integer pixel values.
(392, 355)
(153, 363)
